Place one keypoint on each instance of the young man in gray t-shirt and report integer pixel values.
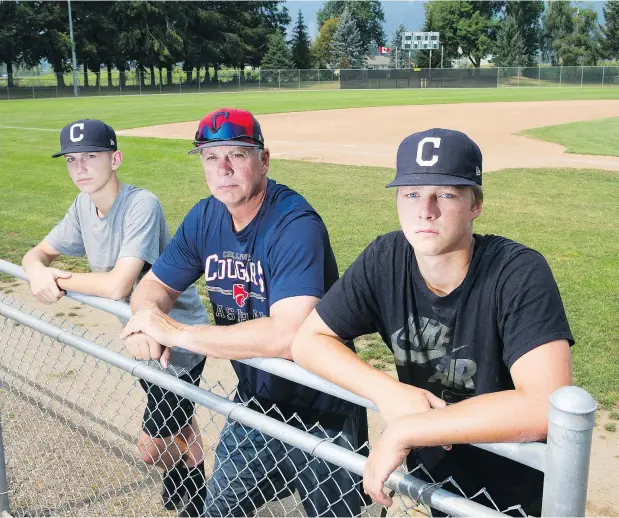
(121, 229)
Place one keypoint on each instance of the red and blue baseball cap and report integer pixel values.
(438, 156)
(228, 127)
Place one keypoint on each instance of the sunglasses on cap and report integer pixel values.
(226, 131)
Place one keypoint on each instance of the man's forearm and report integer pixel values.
(507, 416)
(149, 294)
(259, 338)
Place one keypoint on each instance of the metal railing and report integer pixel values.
(137, 82)
(78, 399)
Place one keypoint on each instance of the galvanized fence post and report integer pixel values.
(603, 70)
(4, 489)
(570, 428)
(582, 74)
(539, 74)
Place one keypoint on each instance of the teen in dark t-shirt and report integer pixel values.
(475, 323)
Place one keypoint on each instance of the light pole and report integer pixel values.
(73, 59)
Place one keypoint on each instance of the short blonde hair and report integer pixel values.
(478, 194)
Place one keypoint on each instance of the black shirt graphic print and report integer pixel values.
(459, 345)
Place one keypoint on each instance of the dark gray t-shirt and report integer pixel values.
(135, 226)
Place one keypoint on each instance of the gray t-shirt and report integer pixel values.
(135, 226)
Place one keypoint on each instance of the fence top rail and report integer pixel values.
(530, 454)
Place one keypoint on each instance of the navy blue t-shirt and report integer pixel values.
(284, 252)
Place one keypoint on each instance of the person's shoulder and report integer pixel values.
(287, 211)
(285, 201)
(137, 196)
(81, 206)
(499, 246)
(504, 253)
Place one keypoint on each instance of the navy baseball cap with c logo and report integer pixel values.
(438, 157)
(86, 135)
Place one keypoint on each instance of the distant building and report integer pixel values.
(375, 62)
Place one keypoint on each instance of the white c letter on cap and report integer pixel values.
(73, 138)
(436, 143)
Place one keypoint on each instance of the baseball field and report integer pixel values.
(552, 158)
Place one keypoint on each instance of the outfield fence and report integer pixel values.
(71, 409)
(136, 82)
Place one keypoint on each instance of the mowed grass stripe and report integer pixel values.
(135, 111)
(595, 137)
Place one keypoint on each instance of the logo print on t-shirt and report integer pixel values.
(427, 341)
(240, 294)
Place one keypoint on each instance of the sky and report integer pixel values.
(410, 13)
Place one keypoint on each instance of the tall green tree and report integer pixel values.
(558, 25)
(279, 55)
(255, 22)
(321, 49)
(396, 43)
(528, 20)
(53, 40)
(346, 46)
(509, 50)
(610, 30)
(93, 21)
(19, 22)
(300, 44)
(368, 15)
(570, 35)
(468, 25)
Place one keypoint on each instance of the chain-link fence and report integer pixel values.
(138, 82)
(71, 409)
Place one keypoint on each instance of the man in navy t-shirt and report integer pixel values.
(266, 258)
(475, 323)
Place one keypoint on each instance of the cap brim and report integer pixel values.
(216, 143)
(81, 149)
(429, 179)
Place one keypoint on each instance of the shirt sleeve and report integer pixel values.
(530, 310)
(142, 232)
(180, 264)
(297, 256)
(66, 236)
(351, 308)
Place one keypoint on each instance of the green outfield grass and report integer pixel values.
(134, 111)
(597, 137)
(571, 216)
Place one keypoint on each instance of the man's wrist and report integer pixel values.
(143, 306)
(186, 338)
